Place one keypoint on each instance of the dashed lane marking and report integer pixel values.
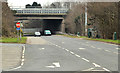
(107, 51)
(106, 69)
(81, 48)
(85, 60)
(99, 48)
(22, 60)
(77, 55)
(66, 49)
(71, 52)
(96, 65)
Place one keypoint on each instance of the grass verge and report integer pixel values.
(13, 40)
(95, 39)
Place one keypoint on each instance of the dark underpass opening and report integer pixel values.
(54, 25)
(32, 26)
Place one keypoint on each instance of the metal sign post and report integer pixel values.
(18, 32)
(20, 35)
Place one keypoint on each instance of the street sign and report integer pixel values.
(17, 28)
(18, 25)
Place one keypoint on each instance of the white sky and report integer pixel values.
(46, 2)
(24, 2)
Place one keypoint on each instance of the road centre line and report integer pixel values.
(107, 51)
(85, 59)
(96, 65)
(77, 55)
(66, 49)
(71, 52)
(106, 69)
(81, 48)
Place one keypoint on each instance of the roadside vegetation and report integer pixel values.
(94, 39)
(13, 40)
(8, 29)
(102, 19)
(9, 34)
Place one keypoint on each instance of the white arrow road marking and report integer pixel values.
(41, 48)
(57, 64)
(51, 66)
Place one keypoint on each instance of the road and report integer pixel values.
(59, 53)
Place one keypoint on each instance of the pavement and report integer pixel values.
(11, 56)
(59, 53)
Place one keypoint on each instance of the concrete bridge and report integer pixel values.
(50, 14)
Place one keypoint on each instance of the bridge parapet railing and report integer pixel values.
(41, 10)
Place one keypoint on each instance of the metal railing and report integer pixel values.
(41, 10)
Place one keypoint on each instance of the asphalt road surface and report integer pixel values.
(59, 53)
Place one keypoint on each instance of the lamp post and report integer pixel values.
(86, 19)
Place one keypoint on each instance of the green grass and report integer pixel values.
(102, 40)
(106, 40)
(13, 40)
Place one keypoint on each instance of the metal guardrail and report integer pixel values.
(41, 10)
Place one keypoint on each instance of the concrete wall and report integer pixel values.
(31, 30)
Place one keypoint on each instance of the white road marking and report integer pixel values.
(117, 48)
(88, 69)
(56, 45)
(23, 60)
(66, 49)
(85, 59)
(59, 46)
(41, 48)
(15, 68)
(96, 65)
(63, 48)
(107, 51)
(71, 52)
(63, 42)
(23, 57)
(50, 66)
(106, 69)
(77, 55)
(99, 48)
(81, 48)
(57, 64)
(22, 63)
(97, 70)
(115, 52)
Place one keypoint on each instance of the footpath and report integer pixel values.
(11, 55)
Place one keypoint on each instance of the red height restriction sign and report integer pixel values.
(18, 25)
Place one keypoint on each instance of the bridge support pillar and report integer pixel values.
(63, 26)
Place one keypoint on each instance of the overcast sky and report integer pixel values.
(44, 2)
(24, 2)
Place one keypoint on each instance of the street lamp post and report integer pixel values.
(86, 19)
